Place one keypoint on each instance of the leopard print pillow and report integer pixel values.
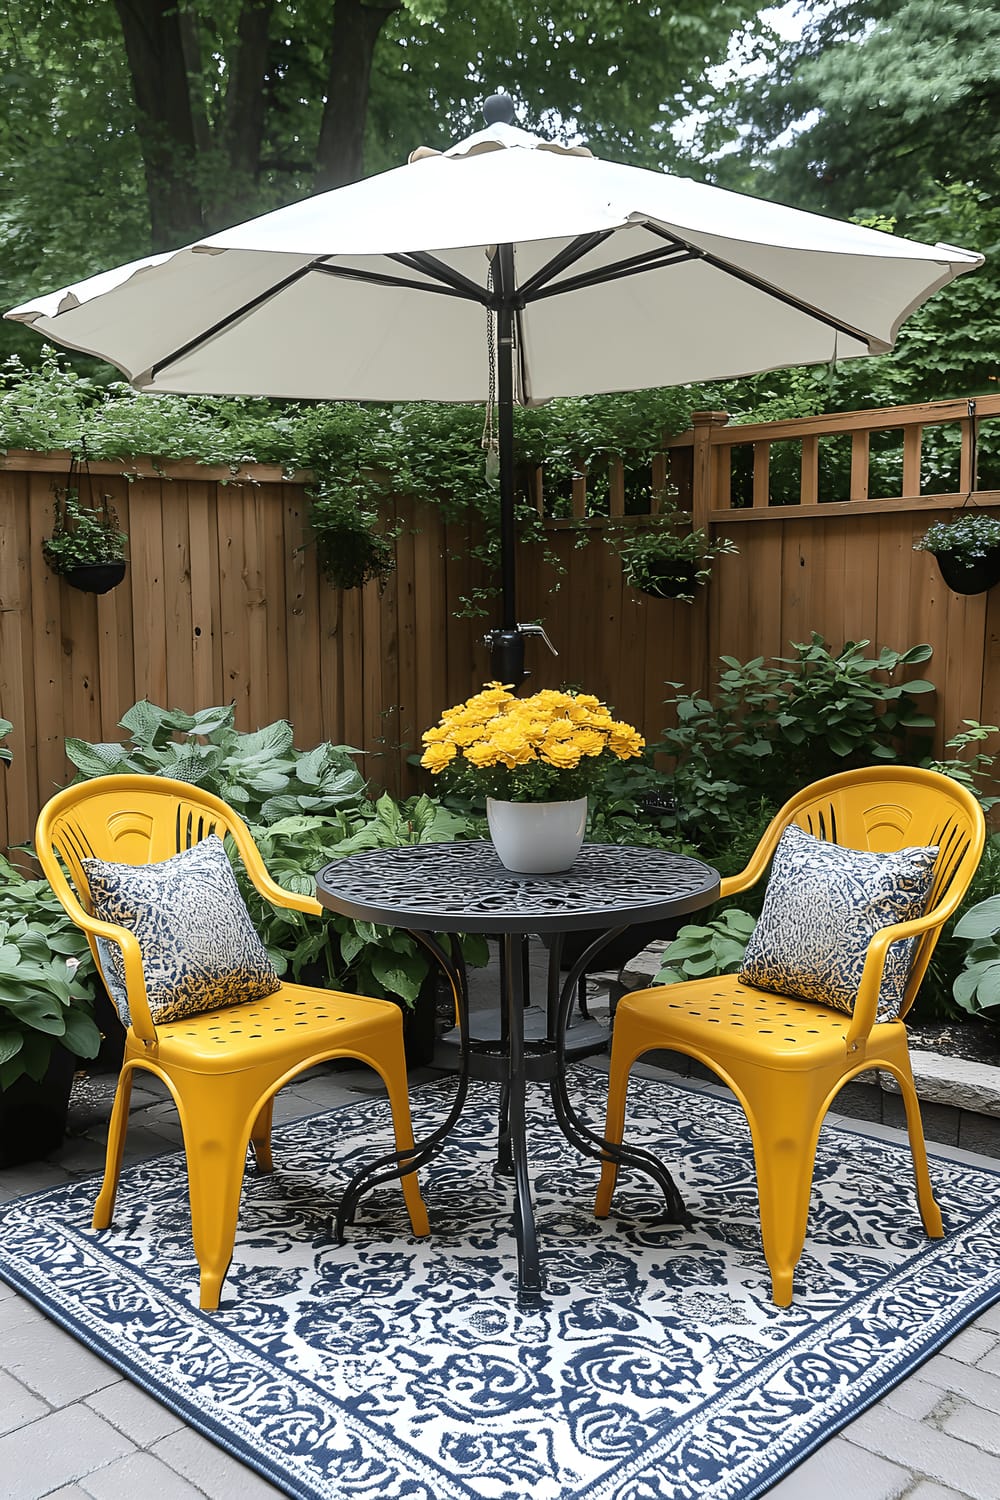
(200, 949)
(822, 906)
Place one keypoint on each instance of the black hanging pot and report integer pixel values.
(96, 578)
(965, 575)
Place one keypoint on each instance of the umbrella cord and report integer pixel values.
(489, 441)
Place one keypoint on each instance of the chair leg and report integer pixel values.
(930, 1213)
(104, 1208)
(784, 1126)
(614, 1121)
(260, 1138)
(215, 1181)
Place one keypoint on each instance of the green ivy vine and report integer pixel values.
(360, 455)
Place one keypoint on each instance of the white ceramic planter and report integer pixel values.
(537, 838)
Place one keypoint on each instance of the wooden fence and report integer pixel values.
(223, 600)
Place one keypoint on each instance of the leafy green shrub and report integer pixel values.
(702, 949)
(260, 774)
(362, 956)
(46, 974)
(772, 728)
(964, 972)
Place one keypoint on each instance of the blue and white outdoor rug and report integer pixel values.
(394, 1368)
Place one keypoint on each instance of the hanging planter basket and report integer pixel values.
(95, 578)
(85, 547)
(969, 575)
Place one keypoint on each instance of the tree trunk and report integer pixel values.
(155, 52)
(246, 97)
(340, 154)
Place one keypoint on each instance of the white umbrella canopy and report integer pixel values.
(596, 277)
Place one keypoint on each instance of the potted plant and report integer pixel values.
(967, 550)
(86, 547)
(534, 759)
(666, 559)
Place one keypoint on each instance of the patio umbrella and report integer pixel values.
(508, 265)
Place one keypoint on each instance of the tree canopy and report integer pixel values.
(138, 125)
(888, 112)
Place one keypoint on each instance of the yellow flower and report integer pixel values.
(511, 746)
(589, 742)
(435, 735)
(483, 754)
(562, 754)
(436, 757)
(624, 741)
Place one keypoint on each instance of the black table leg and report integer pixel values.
(529, 1276)
(573, 1128)
(397, 1164)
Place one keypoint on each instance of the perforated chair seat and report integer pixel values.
(802, 1034)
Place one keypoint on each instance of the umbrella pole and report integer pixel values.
(506, 643)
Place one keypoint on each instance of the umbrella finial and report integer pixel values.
(499, 110)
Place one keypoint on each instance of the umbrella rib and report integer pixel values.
(635, 264)
(567, 257)
(381, 278)
(441, 271)
(231, 318)
(769, 290)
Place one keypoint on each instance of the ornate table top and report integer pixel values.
(463, 887)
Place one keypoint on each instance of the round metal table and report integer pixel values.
(430, 889)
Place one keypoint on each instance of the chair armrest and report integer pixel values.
(262, 880)
(866, 1004)
(135, 979)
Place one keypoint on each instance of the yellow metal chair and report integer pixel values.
(223, 1066)
(785, 1059)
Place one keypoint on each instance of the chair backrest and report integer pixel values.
(133, 820)
(885, 808)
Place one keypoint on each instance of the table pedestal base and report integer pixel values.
(512, 1062)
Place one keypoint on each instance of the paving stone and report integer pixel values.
(927, 1489)
(973, 1425)
(929, 1453)
(977, 1385)
(68, 1492)
(212, 1469)
(133, 1412)
(839, 1470)
(18, 1405)
(32, 1177)
(60, 1448)
(51, 1363)
(990, 1318)
(956, 1081)
(972, 1345)
(914, 1398)
(990, 1361)
(14, 1312)
(142, 1474)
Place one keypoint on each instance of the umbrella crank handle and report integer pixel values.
(538, 630)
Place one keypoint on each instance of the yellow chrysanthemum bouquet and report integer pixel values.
(549, 747)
